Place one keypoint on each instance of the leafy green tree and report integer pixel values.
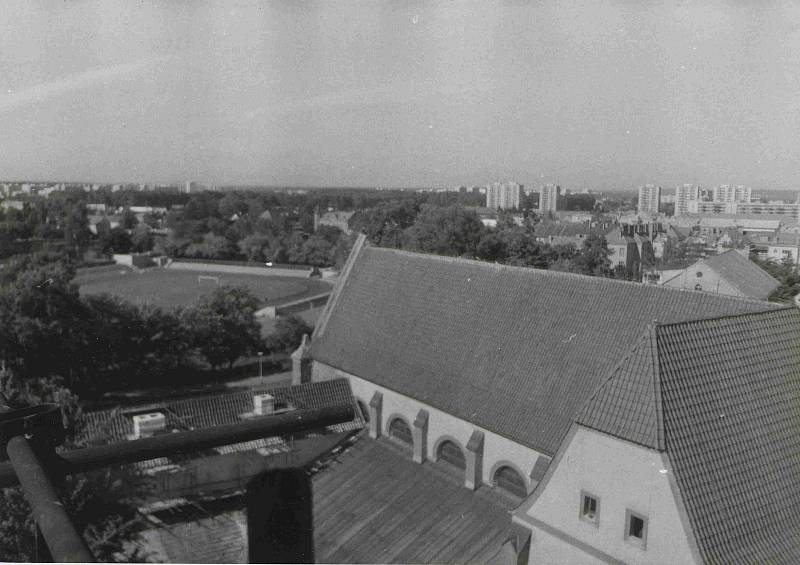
(223, 325)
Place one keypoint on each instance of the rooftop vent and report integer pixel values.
(147, 425)
(263, 404)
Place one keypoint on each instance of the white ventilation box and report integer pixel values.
(146, 425)
(263, 404)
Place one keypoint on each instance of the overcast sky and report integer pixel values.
(595, 94)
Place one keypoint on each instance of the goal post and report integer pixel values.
(207, 279)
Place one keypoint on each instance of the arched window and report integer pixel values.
(698, 286)
(400, 431)
(510, 480)
(450, 452)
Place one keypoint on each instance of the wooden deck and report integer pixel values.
(374, 505)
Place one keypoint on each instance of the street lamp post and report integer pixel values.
(260, 365)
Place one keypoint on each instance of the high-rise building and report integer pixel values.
(649, 199)
(548, 199)
(730, 193)
(503, 195)
(684, 195)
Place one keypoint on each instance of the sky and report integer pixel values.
(596, 94)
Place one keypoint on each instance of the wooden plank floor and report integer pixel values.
(374, 505)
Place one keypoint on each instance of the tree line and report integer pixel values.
(457, 231)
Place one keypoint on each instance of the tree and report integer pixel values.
(128, 220)
(594, 257)
(253, 246)
(116, 240)
(42, 322)
(141, 240)
(223, 325)
(212, 247)
(786, 274)
(102, 504)
(446, 231)
(491, 248)
(288, 334)
(384, 223)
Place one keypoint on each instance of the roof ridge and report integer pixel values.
(655, 360)
(775, 309)
(612, 373)
(548, 272)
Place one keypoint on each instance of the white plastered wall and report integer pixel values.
(622, 475)
(496, 449)
(710, 281)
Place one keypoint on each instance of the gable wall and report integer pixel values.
(623, 476)
(710, 281)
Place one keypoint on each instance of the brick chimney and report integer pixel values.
(301, 362)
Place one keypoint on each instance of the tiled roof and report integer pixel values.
(215, 538)
(514, 350)
(116, 425)
(750, 279)
(625, 405)
(727, 399)
(545, 229)
(373, 504)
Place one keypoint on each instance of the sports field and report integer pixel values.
(174, 287)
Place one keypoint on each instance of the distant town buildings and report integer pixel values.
(685, 195)
(731, 273)
(333, 218)
(548, 200)
(730, 193)
(503, 195)
(649, 199)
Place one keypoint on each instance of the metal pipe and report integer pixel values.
(81, 460)
(63, 540)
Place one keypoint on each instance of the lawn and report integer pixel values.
(173, 287)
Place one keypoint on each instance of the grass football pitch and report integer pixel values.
(169, 288)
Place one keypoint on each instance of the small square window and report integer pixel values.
(635, 528)
(590, 508)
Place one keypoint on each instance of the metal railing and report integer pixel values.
(30, 435)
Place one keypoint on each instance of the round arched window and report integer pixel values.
(698, 287)
(510, 480)
(400, 431)
(450, 452)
